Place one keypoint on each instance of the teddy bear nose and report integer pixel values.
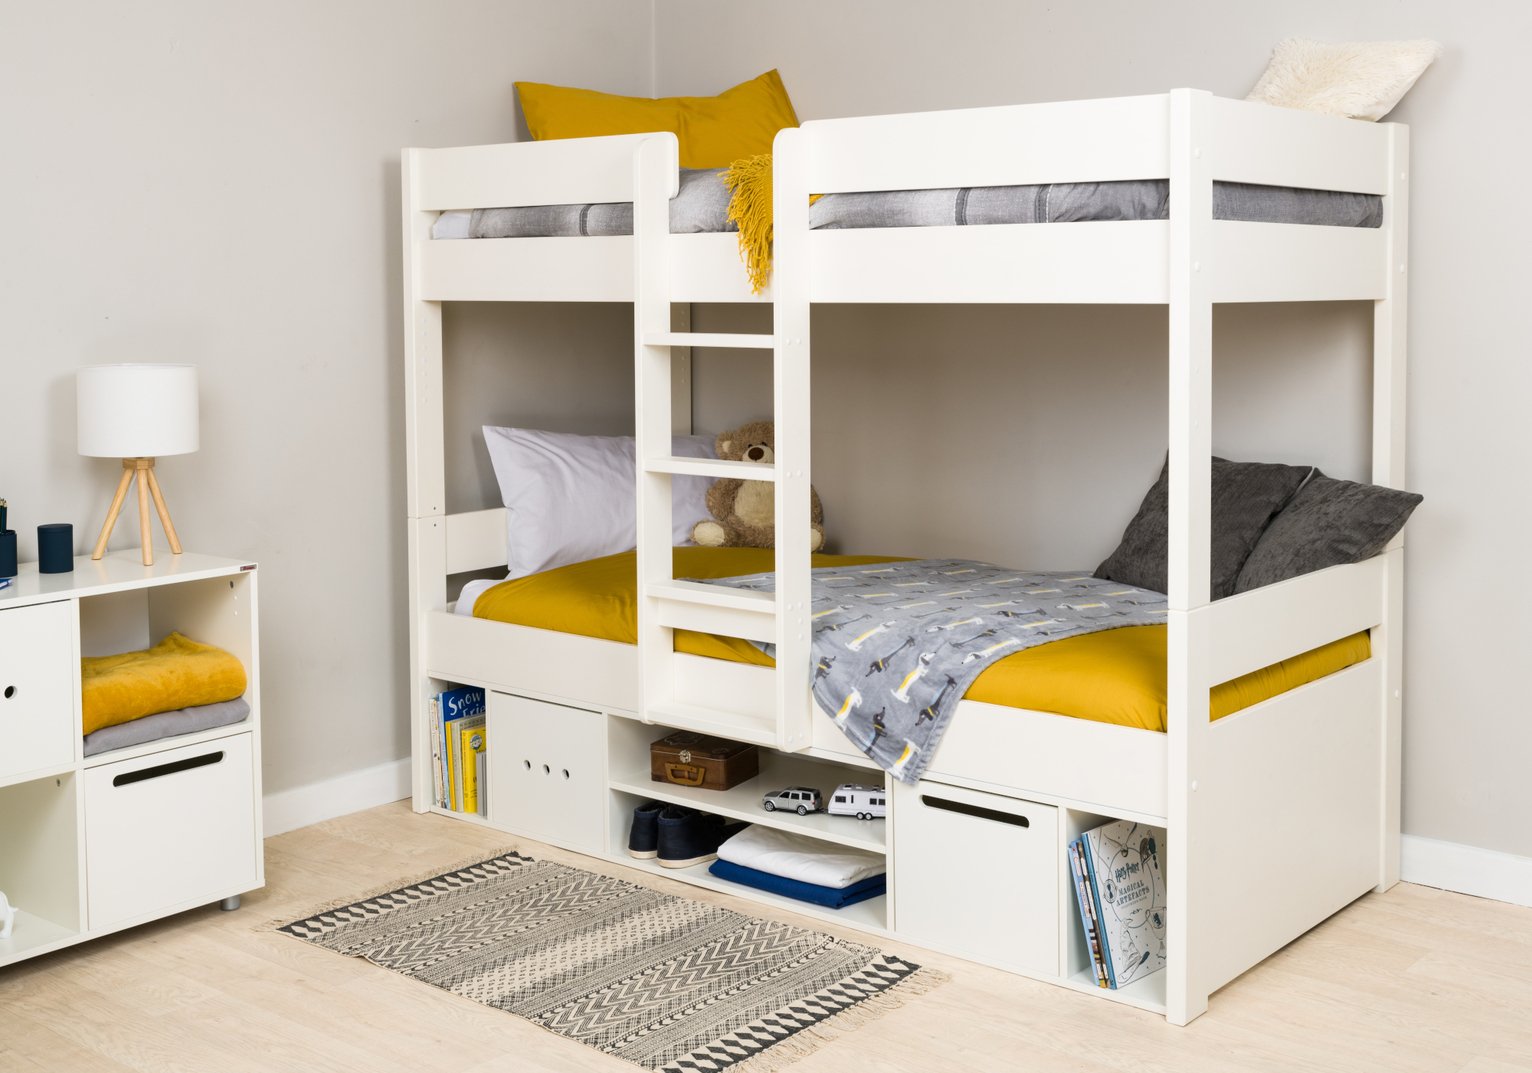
(755, 454)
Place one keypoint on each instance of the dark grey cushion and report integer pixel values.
(1329, 522)
(1246, 496)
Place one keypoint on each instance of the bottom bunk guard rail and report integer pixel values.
(1264, 626)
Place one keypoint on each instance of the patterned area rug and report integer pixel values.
(668, 983)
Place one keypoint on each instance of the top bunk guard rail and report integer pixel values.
(1104, 140)
(566, 171)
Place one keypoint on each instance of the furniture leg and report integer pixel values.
(164, 512)
(229, 904)
(116, 508)
(145, 538)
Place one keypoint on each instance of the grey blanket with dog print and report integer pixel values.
(896, 645)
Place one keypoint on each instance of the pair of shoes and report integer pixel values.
(679, 836)
(688, 837)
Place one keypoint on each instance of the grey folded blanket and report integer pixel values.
(167, 725)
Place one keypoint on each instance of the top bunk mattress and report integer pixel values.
(1115, 676)
(702, 206)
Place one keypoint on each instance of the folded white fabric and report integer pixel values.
(805, 859)
(452, 224)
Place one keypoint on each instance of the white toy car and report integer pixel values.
(863, 802)
(799, 799)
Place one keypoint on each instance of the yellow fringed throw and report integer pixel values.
(749, 183)
(176, 673)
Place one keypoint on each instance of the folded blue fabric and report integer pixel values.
(829, 897)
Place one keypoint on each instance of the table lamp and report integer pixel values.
(137, 413)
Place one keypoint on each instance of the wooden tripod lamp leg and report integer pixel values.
(146, 539)
(116, 508)
(164, 512)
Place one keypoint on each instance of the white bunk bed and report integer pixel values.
(1315, 769)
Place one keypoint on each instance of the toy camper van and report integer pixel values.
(863, 802)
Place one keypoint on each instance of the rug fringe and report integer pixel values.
(387, 888)
(785, 1052)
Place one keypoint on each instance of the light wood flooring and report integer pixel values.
(1415, 979)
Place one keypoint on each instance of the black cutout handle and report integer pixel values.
(975, 810)
(161, 770)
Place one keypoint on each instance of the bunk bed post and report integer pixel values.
(425, 480)
(790, 403)
(654, 170)
(1190, 318)
(1388, 468)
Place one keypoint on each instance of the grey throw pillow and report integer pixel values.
(1246, 496)
(1329, 522)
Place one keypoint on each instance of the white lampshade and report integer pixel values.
(137, 411)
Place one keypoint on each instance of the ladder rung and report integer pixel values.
(749, 341)
(688, 605)
(724, 724)
(712, 467)
(701, 595)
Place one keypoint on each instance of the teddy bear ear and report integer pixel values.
(725, 447)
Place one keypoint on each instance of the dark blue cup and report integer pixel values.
(8, 553)
(55, 548)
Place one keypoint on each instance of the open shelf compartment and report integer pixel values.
(40, 865)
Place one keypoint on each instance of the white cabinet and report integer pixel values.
(93, 844)
(547, 771)
(37, 676)
(978, 875)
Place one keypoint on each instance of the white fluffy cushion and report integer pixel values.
(1359, 80)
(571, 498)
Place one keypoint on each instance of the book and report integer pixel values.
(470, 732)
(1124, 862)
(453, 706)
(438, 772)
(481, 768)
(1088, 922)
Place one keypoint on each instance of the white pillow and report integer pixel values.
(1359, 79)
(572, 498)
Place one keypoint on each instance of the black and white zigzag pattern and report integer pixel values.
(671, 984)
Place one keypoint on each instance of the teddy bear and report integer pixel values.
(744, 512)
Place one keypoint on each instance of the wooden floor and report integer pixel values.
(1415, 979)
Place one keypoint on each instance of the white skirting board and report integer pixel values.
(288, 810)
(1484, 873)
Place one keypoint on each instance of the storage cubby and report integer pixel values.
(1147, 993)
(870, 915)
(630, 773)
(547, 771)
(40, 864)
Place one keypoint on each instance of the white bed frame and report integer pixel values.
(1315, 770)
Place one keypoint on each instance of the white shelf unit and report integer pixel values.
(95, 844)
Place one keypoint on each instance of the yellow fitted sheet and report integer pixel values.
(1113, 676)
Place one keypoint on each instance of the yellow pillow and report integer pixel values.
(714, 131)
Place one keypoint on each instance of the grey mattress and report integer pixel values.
(703, 201)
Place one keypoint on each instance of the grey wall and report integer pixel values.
(218, 184)
(920, 464)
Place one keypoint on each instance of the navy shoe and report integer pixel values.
(643, 836)
(689, 837)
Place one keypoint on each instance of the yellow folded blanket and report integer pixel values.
(1114, 676)
(176, 673)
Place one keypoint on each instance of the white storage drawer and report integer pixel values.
(170, 830)
(547, 771)
(977, 875)
(38, 681)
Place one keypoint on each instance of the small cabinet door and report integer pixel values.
(547, 771)
(976, 874)
(169, 831)
(38, 680)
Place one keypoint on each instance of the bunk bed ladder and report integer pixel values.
(667, 604)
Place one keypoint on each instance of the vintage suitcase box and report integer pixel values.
(689, 759)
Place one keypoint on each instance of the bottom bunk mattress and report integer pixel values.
(1113, 676)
